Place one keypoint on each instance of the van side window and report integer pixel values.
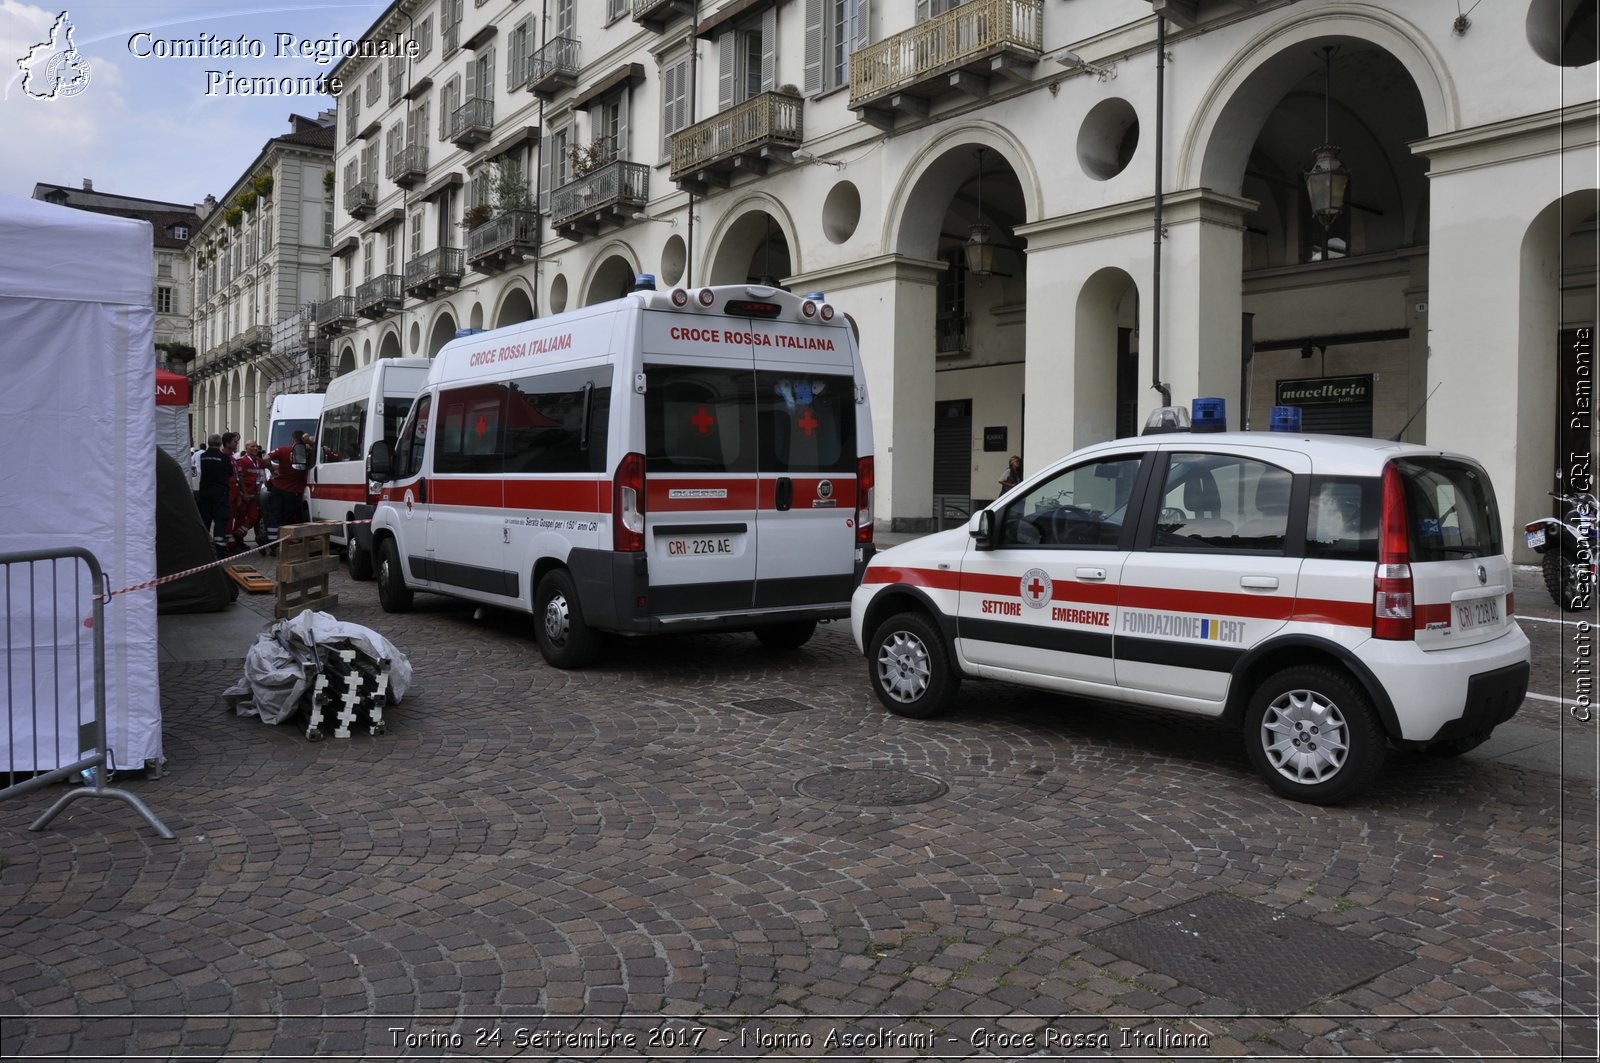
(469, 429)
(807, 422)
(413, 440)
(545, 424)
(699, 419)
(341, 435)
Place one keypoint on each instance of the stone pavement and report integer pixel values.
(701, 848)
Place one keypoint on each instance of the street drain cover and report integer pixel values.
(771, 706)
(872, 787)
(1257, 957)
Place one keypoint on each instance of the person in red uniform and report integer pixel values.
(286, 490)
(244, 493)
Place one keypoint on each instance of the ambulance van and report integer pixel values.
(667, 461)
(359, 408)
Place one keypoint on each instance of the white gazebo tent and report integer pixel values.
(77, 431)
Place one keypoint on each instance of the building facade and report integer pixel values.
(975, 184)
(260, 261)
(171, 226)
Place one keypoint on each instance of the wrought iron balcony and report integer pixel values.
(745, 138)
(606, 195)
(655, 14)
(553, 67)
(336, 315)
(959, 51)
(409, 165)
(360, 198)
(379, 296)
(257, 339)
(433, 271)
(472, 123)
(503, 241)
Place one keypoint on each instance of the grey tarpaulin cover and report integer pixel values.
(281, 667)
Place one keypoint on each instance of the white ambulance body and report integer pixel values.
(289, 412)
(661, 462)
(359, 408)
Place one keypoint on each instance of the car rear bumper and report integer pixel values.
(1451, 693)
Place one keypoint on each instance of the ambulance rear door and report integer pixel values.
(700, 464)
(806, 417)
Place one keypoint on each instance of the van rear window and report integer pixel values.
(807, 422)
(699, 419)
(1451, 508)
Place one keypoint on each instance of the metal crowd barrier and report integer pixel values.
(43, 679)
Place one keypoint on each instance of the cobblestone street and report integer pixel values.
(704, 848)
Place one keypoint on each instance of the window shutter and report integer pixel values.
(674, 99)
(544, 175)
(922, 10)
(814, 48)
(769, 49)
(727, 47)
(564, 18)
(472, 80)
(486, 82)
(621, 145)
(863, 24)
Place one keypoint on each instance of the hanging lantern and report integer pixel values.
(1328, 179)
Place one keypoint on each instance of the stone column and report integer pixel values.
(893, 300)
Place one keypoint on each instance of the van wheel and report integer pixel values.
(1312, 733)
(359, 560)
(565, 638)
(790, 636)
(393, 594)
(909, 667)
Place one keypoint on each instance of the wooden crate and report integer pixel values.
(305, 560)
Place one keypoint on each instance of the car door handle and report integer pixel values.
(1260, 583)
(1091, 573)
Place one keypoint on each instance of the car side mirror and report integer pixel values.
(981, 528)
(380, 462)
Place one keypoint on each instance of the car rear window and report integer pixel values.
(1342, 520)
(1451, 510)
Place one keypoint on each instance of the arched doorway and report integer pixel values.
(444, 330)
(389, 346)
(753, 249)
(516, 306)
(1105, 391)
(347, 359)
(612, 278)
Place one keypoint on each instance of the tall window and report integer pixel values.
(366, 258)
(397, 77)
(424, 36)
(564, 23)
(674, 102)
(163, 300)
(374, 84)
(747, 60)
(416, 232)
(450, 26)
(518, 49)
(615, 9)
(391, 243)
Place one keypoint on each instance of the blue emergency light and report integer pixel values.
(644, 282)
(461, 332)
(1284, 419)
(1208, 415)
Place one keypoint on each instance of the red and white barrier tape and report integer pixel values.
(231, 559)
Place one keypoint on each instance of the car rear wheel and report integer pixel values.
(790, 636)
(910, 668)
(1312, 733)
(564, 637)
(393, 594)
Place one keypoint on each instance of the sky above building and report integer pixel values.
(139, 97)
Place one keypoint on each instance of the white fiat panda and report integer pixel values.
(1327, 595)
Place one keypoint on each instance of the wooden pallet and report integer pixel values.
(305, 560)
(249, 578)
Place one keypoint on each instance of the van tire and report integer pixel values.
(787, 636)
(564, 637)
(909, 667)
(359, 560)
(1294, 713)
(393, 594)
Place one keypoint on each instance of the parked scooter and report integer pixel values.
(1571, 546)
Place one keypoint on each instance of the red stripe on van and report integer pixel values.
(806, 492)
(569, 496)
(340, 492)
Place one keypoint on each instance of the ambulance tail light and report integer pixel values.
(1393, 615)
(866, 479)
(707, 296)
(627, 506)
(680, 298)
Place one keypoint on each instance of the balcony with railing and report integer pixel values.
(379, 296)
(472, 123)
(607, 195)
(553, 68)
(257, 339)
(433, 272)
(336, 315)
(959, 51)
(409, 165)
(360, 198)
(655, 14)
(508, 239)
(744, 138)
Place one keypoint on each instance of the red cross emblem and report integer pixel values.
(1035, 588)
(702, 421)
(808, 423)
(483, 425)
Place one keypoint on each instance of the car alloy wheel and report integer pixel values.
(1305, 737)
